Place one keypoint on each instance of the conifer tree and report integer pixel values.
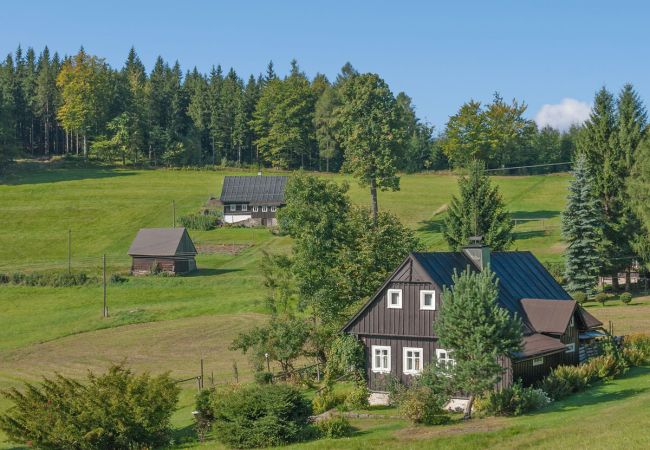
(581, 229)
(476, 331)
(478, 211)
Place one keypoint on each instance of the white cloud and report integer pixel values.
(564, 114)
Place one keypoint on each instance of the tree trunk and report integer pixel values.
(615, 285)
(46, 132)
(628, 280)
(468, 408)
(373, 196)
(85, 147)
(77, 143)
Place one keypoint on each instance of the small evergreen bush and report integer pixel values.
(263, 377)
(601, 298)
(626, 297)
(260, 415)
(513, 401)
(420, 405)
(358, 397)
(334, 427)
(116, 278)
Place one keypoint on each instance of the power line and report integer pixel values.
(528, 167)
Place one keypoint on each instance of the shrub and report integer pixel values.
(4, 278)
(326, 400)
(116, 410)
(512, 401)
(626, 297)
(358, 398)
(636, 349)
(334, 427)
(579, 297)
(201, 222)
(51, 279)
(563, 381)
(263, 377)
(601, 298)
(345, 354)
(260, 415)
(117, 278)
(421, 406)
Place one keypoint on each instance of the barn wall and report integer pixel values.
(143, 265)
(529, 374)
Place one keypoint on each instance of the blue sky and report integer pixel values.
(440, 53)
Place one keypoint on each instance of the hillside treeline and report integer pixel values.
(79, 105)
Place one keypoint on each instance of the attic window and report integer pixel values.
(538, 361)
(570, 348)
(428, 300)
(233, 207)
(394, 298)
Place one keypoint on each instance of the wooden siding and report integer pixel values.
(529, 374)
(409, 320)
(570, 336)
(143, 265)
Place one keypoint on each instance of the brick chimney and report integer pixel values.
(478, 252)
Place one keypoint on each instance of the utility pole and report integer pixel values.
(105, 313)
(174, 211)
(69, 250)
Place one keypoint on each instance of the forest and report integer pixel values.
(81, 106)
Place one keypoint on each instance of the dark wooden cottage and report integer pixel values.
(396, 324)
(252, 200)
(168, 250)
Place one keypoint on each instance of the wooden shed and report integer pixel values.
(168, 250)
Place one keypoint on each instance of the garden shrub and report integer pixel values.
(260, 415)
(117, 410)
(327, 399)
(358, 397)
(512, 401)
(345, 354)
(420, 405)
(334, 427)
(201, 222)
(625, 297)
(636, 349)
(263, 377)
(48, 279)
(117, 278)
(601, 298)
(563, 381)
(579, 297)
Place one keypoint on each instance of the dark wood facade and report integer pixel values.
(169, 250)
(146, 265)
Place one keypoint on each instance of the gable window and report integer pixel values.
(265, 208)
(244, 207)
(380, 358)
(538, 361)
(413, 360)
(256, 208)
(570, 348)
(571, 322)
(444, 359)
(233, 207)
(394, 298)
(428, 300)
(273, 208)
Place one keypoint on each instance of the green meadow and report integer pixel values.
(171, 323)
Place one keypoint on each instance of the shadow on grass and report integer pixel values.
(542, 214)
(432, 225)
(209, 272)
(184, 435)
(523, 235)
(49, 175)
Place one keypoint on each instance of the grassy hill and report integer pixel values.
(162, 323)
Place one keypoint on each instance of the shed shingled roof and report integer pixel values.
(539, 344)
(253, 189)
(162, 242)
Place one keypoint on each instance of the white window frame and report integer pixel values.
(233, 207)
(265, 208)
(389, 298)
(570, 348)
(405, 358)
(538, 361)
(447, 359)
(381, 369)
(244, 207)
(256, 208)
(273, 208)
(432, 306)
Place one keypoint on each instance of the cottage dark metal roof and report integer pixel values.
(548, 316)
(162, 242)
(539, 344)
(261, 190)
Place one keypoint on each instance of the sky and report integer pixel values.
(553, 55)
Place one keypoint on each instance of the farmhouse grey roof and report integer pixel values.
(260, 190)
(162, 242)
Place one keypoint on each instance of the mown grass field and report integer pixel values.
(169, 324)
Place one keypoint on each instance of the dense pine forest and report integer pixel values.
(79, 105)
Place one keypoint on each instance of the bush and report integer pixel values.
(4, 278)
(625, 297)
(564, 380)
(512, 401)
(260, 415)
(49, 279)
(263, 377)
(579, 297)
(326, 400)
(116, 278)
(636, 349)
(334, 427)
(201, 222)
(421, 406)
(117, 410)
(358, 398)
(601, 298)
(345, 354)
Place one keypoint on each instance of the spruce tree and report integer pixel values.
(478, 211)
(477, 332)
(581, 229)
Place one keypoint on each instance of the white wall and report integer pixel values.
(234, 218)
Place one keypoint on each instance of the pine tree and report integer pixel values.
(581, 229)
(632, 121)
(478, 211)
(476, 331)
(638, 189)
(7, 113)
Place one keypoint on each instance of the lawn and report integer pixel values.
(169, 324)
